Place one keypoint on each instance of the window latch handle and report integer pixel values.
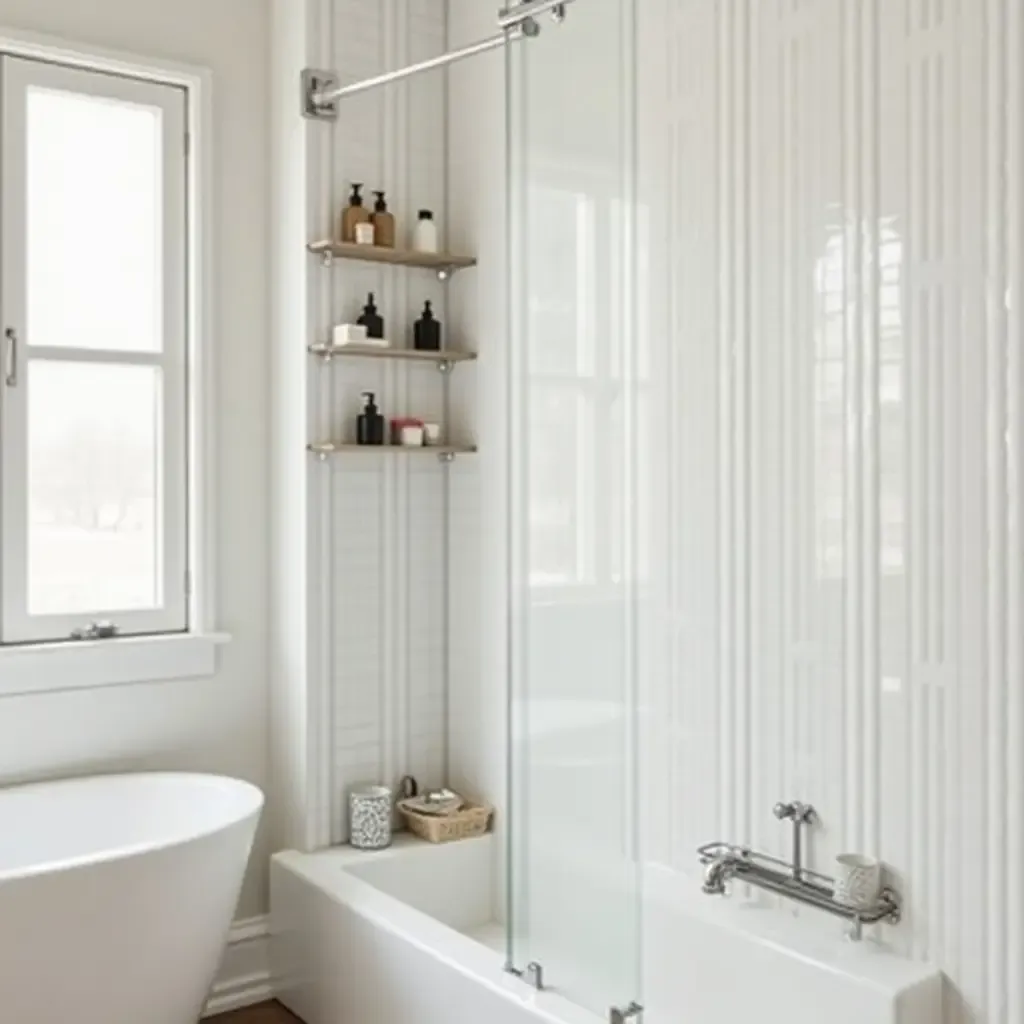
(96, 631)
(12, 357)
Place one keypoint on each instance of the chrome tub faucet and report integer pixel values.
(724, 862)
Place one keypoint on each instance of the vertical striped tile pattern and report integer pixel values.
(385, 519)
(844, 571)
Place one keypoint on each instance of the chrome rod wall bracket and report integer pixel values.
(519, 14)
(315, 83)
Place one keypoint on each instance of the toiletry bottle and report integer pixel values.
(424, 238)
(371, 319)
(427, 332)
(370, 423)
(355, 213)
(383, 222)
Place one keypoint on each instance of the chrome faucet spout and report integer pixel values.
(718, 872)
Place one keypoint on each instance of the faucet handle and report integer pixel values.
(801, 814)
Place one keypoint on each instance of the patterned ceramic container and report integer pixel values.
(369, 817)
(858, 881)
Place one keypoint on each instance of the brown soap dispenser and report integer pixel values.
(383, 222)
(355, 213)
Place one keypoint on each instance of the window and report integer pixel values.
(94, 402)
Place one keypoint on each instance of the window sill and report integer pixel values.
(89, 664)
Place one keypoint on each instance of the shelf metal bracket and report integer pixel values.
(446, 457)
(445, 366)
(314, 83)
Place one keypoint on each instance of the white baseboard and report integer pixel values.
(244, 976)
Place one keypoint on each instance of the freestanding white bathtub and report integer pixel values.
(406, 936)
(117, 893)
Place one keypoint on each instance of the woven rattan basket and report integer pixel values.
(471, 821)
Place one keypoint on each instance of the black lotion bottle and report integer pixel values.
(371, 319)
(370, 423)
(427, 332)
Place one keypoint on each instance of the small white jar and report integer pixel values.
(366, 234)
(410, 435)
(432, 434)
(424, 236)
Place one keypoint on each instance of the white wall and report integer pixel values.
(477, 212)
(217, 724)
(360, 648)
(841, 188)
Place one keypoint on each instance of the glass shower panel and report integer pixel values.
(574, 893)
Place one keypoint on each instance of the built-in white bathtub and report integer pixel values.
(402, 936)
(407, 935)
(117, 894)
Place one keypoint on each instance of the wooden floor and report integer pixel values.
(265, 1013)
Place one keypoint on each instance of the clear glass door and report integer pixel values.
(574, 891)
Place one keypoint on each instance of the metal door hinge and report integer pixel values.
(620, 1015)
(533, 975)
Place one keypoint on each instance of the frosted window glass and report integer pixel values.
(93, 455)
(95, 223)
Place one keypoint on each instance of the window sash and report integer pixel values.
(171, 612)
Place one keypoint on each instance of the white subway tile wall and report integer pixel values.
(841, 247)
(387, 532)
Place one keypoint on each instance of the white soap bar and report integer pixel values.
(350, 334)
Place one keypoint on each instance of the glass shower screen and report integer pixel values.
(573, 858)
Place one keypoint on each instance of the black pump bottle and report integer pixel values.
(370, 423)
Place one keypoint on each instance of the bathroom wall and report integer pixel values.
(478, 210)
(217, 724)
(381, 528)
(834, 195)
(829, 278)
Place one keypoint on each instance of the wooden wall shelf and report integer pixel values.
(445, 452)
(328, 352)
(445, 264)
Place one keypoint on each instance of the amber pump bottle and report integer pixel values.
(355, 213)
(383, 222)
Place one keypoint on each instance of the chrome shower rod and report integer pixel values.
(441, 61)
(321, 89)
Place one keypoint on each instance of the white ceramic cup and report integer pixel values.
(369, 817)
(432, 433)
(858, 881)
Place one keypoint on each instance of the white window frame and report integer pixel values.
(36, 668)
(19, 78)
